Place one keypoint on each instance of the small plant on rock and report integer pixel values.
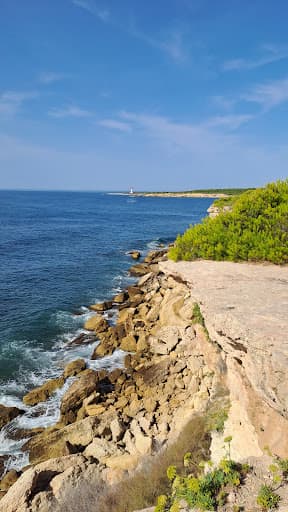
(267, 499)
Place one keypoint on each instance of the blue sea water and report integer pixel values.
(60, 252)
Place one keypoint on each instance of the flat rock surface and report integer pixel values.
(245, 307)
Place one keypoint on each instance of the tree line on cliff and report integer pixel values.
(256, 229)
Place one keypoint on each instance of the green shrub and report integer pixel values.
(255, 230)
(208, 491)
(267, 499)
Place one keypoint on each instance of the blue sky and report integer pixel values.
(158, 95)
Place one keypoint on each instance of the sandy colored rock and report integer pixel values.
(101, 306)
(129, 344)
(62, 442)
(78, 391)
(96, 323)
(74, 368)
(125, 462)
(120, 297)
(135, 255)
(9, 479)
(245, 311)
(42, 393)
(100, 448)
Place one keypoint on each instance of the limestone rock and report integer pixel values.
(96, 323)
(48, 445)
(135, 255)
(120, 297)
(42, 393)
(100, 448)
(8, 480)
(101, 306)
(78, 391)
(129, 344)
(117, 430)
(8, 414)
(74, 368)
(167, 339)
(126, 461)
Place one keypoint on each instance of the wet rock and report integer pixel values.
(135, 255)
(101, 306)
(8, 414)
(42, 393)
(96, 323)
(74, 368)
(83, 339)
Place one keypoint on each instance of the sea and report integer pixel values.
(60, 252)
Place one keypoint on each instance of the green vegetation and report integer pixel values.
(267, 499)
(217, 419)
(197, 318)
(210, 191)
(255, 230)
(206, 490)
(142, 489)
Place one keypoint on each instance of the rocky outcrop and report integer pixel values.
(8, 414)
(41, 488)
(42, 393)
(174, 370)
(245, 311)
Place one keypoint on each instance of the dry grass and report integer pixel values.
(150, 481)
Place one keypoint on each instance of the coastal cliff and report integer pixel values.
(204, 339)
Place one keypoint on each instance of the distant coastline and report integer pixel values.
(210, 193)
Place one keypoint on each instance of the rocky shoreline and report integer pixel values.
(112, 423)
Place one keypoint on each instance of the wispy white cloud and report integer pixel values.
(114, 124)
(69, 111)
(11, 101)
(270, 54)
(229, 122)
(48, 77)
(268, 95)
(92, 8)
(172, 45)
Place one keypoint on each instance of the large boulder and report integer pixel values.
(78, 391)
(96, 323)
(101, 306)
(8, 480)
(32, 492)
(42, 393)
(65, 441)
(73, 368)
(135, 255)
(8, 414)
